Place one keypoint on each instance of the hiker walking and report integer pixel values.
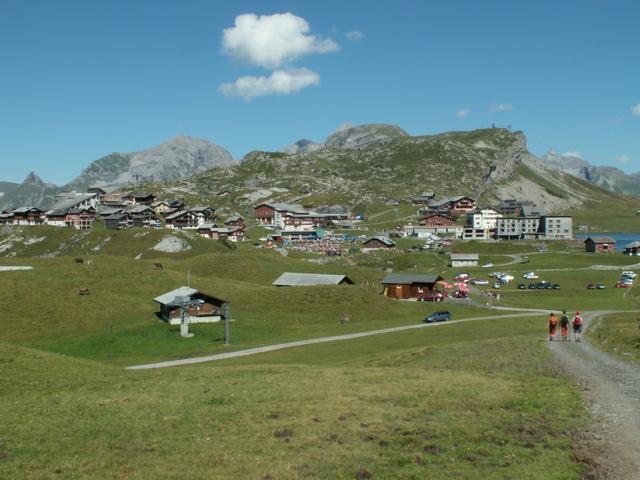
(553, 327)
(564, 326)
(577, 327)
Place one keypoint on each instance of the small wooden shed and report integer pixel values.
(202, 308)
(409, 286)
(600, 244)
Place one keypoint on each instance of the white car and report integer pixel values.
(487, 265)
(530, 276)
(629, 274)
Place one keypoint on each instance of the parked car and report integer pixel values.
(496, 285)
(623, 285)
(591, 286)
(487, 265)
(478, 281)
(556, 286)
(630, 274)
(439, 316)
(600, 286)
(433, 297)
(521, 286)
(532, 286)
(461, 277)
(530, 276)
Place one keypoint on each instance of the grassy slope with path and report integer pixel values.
(457, 401)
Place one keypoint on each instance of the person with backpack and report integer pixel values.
(577, 327)
(553, 327)
(564, 326)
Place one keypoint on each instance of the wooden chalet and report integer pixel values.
(423, 199)
(28, 216)
(202, 307)
(6, 218)
(409, 286)
(600, 244)
(118, 221)
(378, 242)
(81, 218)
(632, 248)
(113, 198)
(56, 218)
(214, 232)
(433, 219)
(235, 221)
(203, 214)
(454, 205)
(138, 198)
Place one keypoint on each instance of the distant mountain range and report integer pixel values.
(177, 158)
(609, 178)
(354, 164)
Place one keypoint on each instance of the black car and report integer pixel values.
(440, 316)
(521, 286)
(556, 286)
(532, 286)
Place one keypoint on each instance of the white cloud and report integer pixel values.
(271, 41)
(635, 110)
(463, 112)
(354, 35)
(280, 82)
(623, 159)
(501, 107)
(573, 153)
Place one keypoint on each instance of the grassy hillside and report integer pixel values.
(454, 402)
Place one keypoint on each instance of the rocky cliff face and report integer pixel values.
(177, 158)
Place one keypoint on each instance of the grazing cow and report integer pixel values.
(83, 291)
(158, 266)
(79, 260)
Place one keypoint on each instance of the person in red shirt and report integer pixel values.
(553, 327)
(577, 327)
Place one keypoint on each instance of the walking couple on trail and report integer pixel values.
(564, 326)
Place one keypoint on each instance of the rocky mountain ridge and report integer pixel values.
(176, 158)
(609, 178)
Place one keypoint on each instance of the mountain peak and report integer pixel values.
(32, 179)
(362, 135)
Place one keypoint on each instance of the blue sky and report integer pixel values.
(81, 79)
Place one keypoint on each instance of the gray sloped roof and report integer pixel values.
(169, 297)
(602, 239)
(408, 279)
(632, 245)
(309, 279)
(464, 256)
(381, 238)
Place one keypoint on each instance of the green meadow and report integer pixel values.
(477, 399)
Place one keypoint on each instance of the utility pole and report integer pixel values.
(227, 334)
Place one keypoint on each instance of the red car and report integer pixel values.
(433, 297)
(623, 285)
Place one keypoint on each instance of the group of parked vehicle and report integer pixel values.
(626, 279)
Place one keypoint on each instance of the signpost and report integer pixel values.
(225, 314)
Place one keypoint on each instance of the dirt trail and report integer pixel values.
(612, 389)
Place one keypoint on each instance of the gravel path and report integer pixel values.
(311, 341)
(612, 389)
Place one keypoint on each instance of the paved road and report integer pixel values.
(612, 388)
(313, 341)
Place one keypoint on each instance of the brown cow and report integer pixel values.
(84, 291)
(157, 266)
